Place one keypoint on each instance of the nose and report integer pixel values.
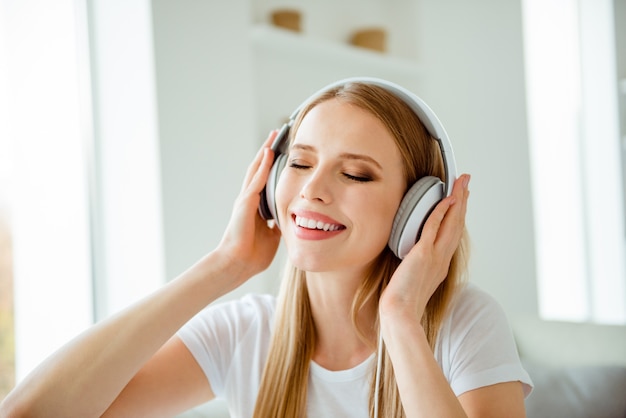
(317, 187)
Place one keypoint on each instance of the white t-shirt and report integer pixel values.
(230, 340)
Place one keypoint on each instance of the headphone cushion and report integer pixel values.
(414, 209)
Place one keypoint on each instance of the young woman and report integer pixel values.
(355, 331)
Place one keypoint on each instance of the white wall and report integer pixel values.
(207, 124)
(620, 41)
(475, 81)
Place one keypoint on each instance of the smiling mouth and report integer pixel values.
(319, 225)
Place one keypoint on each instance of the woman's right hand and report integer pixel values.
(248, 241)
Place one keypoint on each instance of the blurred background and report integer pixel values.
(126, 128)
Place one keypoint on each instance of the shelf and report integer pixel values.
(297, 47)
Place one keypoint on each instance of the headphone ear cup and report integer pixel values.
(414, 209)
(267, 208)
(270, 187)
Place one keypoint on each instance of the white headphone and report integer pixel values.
(422, 196)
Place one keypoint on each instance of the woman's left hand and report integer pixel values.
(427, 264)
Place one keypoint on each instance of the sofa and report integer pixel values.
(592, 391)
(578, 369)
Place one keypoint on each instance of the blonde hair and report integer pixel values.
(284, 384)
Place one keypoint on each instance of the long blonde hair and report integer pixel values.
(284, 384)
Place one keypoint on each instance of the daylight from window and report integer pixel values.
(575, 159)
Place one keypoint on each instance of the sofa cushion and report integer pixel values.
(576, 392)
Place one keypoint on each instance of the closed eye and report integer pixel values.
(293, 164)
(302, 165)
(360, 179)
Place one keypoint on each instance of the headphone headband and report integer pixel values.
(418, 106)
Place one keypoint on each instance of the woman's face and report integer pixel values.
(340, 189)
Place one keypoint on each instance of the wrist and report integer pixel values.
(398, 330)
(398, 321)
(218, 273)
(399, 308)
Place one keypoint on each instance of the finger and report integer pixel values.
(260, 176)
(461, 193)
(451, 228)
(254, 166)
(466, 194)
(435, 219)
(448, 211)
(270, 139)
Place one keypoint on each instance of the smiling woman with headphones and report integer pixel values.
(373, 318)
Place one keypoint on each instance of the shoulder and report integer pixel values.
(229, 339)
(473, 306)
(250, 304)
(231, 320)
(475, 324)
(246, 310)
(476, 346)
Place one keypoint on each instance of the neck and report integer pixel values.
(338, 345)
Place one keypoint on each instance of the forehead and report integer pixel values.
(337, 125)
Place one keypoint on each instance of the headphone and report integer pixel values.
(419, 200)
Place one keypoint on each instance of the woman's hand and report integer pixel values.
(427, 264)
(248, 241)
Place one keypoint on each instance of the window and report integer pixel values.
(576, 159)
(7, 329)
(81, 180)
(47, 191)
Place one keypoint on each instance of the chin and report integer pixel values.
(312, 261)
(308, 263)
(331, 258)
(327, 263)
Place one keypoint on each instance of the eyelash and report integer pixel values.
(358, 179)
(298, 166)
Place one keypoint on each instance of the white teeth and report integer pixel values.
(312, 224)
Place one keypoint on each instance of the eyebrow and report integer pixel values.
(345, 155)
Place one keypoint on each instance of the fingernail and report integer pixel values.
(466, 180)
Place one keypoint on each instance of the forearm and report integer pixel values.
(85, 376)
(423, 388)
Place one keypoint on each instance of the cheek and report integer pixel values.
(378, 214)
(389, 211)
(388, 200)
(392, 206)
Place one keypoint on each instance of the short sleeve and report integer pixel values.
(220, 333)
(476, 347)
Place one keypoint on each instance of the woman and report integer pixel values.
(355, 150)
